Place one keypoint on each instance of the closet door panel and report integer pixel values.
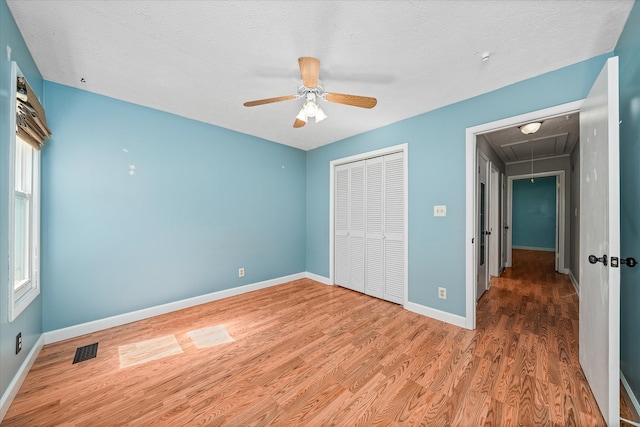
(341, 226)
(375, 227)
(356, 229)
(394, 271)
(394, 227)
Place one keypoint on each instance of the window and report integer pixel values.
(24, 201)
(26, 227)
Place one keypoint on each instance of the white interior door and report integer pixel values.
(483, 225)
(503, 224)
(600, 237)
(559, 196)
(494, 215)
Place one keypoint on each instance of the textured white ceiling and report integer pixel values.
(203, 59)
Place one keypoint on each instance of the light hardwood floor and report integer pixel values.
(310, 354)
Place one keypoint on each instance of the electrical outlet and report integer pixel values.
(440, 210)
(442, 293)
(241, 272)
(18, 342)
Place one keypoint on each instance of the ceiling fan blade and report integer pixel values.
(269, 100)
(355, 100)
(310, 70)
(298, 123)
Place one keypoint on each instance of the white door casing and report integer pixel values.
(600, 235)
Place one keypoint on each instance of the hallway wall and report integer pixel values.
(534, 214)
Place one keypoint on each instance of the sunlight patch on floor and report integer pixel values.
(146, 351)
(209, 337)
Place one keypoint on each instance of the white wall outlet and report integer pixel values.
(440, 210)
(442, 293)
(241, 272)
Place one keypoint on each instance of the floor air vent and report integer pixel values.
(85, 353)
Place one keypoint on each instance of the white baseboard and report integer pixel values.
(121, 319)
(319, 278)
(532, 248)
(632, 397)
(575, 283)
(19, 377)
(434, 313)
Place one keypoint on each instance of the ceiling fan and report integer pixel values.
(311, 89)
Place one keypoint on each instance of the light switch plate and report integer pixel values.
(440, 210)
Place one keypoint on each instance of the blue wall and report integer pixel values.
(203, 202)
(533, 215)
(436, 177)
(29, 322)
(628, 49)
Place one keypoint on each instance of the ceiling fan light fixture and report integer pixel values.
(310, 109)
(310, 90)
(320, 115)
(301, 115)
(530, 128)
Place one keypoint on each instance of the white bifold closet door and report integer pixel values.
(349, 226)
(369, 227)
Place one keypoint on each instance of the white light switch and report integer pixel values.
(440, 210)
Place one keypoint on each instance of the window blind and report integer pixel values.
(31, 122)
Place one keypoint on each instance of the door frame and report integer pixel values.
(470, 189)
(560, 215)
(400, 148)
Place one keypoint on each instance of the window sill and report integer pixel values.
(22, 302)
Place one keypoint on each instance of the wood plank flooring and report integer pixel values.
(310, 354)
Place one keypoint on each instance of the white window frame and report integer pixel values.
(26, 291)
